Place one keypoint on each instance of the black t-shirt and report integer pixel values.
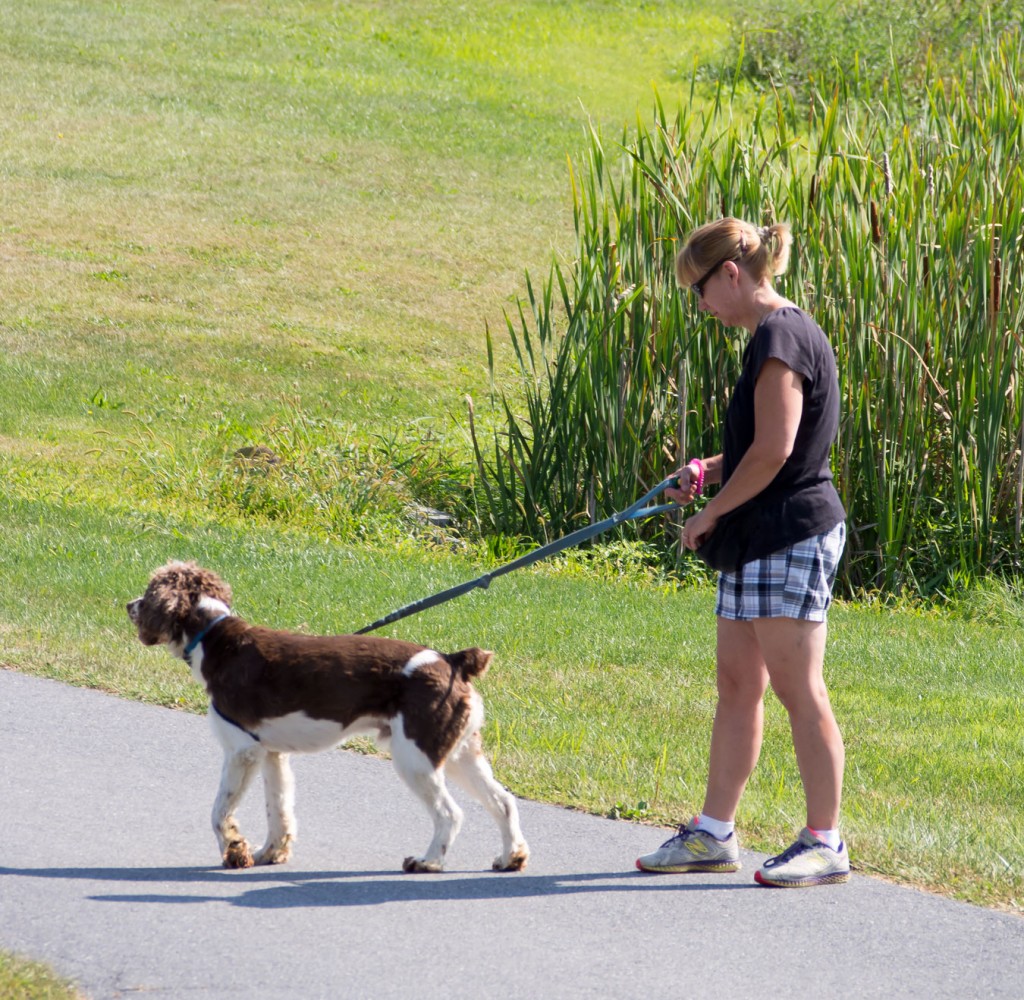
(801, 500)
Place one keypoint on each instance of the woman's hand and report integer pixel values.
(690, 480)
(698, 527)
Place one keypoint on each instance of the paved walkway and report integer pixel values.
(108, 872)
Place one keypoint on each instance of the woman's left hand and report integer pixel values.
(698, 527)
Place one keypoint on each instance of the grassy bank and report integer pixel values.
(284, 198)
(280, 224)
(21, 979)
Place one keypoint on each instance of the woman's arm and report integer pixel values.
(778, 406)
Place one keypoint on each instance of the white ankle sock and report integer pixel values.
(830, 837)
(718, 829)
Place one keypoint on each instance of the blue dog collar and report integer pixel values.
(190, 648)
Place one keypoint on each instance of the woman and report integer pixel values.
(779, 428)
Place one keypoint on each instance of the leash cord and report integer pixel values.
(634, 512)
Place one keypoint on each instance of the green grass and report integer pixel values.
(214, 218)
(344, 194)
(21, 979)
(795, 43)
(288, 224)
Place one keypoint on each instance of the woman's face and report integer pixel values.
(716, 291)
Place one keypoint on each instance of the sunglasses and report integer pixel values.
(698, 286)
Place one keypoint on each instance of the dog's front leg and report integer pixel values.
(238, 770)
(279, 789)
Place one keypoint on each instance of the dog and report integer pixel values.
(275, 693)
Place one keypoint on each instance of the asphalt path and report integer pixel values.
(109, 873)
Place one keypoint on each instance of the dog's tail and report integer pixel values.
(471, 662)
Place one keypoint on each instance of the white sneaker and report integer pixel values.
(693, 850)
(807, 862)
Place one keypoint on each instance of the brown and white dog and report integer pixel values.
(275, 693)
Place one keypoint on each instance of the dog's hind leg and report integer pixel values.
(279, 789)
(470, 769)
(236, 773)
(417, 770)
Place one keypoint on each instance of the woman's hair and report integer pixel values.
(763, 251)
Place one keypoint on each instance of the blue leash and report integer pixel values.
(633, 513)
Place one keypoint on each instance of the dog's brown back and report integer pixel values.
(254, 673)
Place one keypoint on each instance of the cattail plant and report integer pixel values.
(908, 213)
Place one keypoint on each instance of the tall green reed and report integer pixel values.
(908, 211)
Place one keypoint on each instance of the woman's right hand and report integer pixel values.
(689, 480)
(698, 527)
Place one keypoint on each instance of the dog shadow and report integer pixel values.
(280, 889)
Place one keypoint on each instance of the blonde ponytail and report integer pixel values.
(763, 251)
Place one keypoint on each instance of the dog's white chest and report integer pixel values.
(298, 733)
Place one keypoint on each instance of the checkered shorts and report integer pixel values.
(795, 582)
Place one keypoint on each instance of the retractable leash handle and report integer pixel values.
(634, 512)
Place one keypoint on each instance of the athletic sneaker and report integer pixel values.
(693, 850)
(807, 862)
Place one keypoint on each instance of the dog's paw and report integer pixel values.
(515, 862)
(238, 855)
(419, 865)
(274, 854)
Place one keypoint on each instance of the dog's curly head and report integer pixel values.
(172, 596)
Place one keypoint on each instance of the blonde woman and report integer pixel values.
(780, 543)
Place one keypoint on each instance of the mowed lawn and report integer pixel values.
(290, 225)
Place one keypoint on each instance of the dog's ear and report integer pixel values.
(211, 585)
(168, 594)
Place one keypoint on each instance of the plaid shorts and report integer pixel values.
(795, 582)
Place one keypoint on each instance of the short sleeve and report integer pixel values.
(783, 336)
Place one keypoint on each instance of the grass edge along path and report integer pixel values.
(24, 979)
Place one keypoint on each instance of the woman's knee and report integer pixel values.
(741, 687)
(741, 673)
(741, 681)
(804, 697)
